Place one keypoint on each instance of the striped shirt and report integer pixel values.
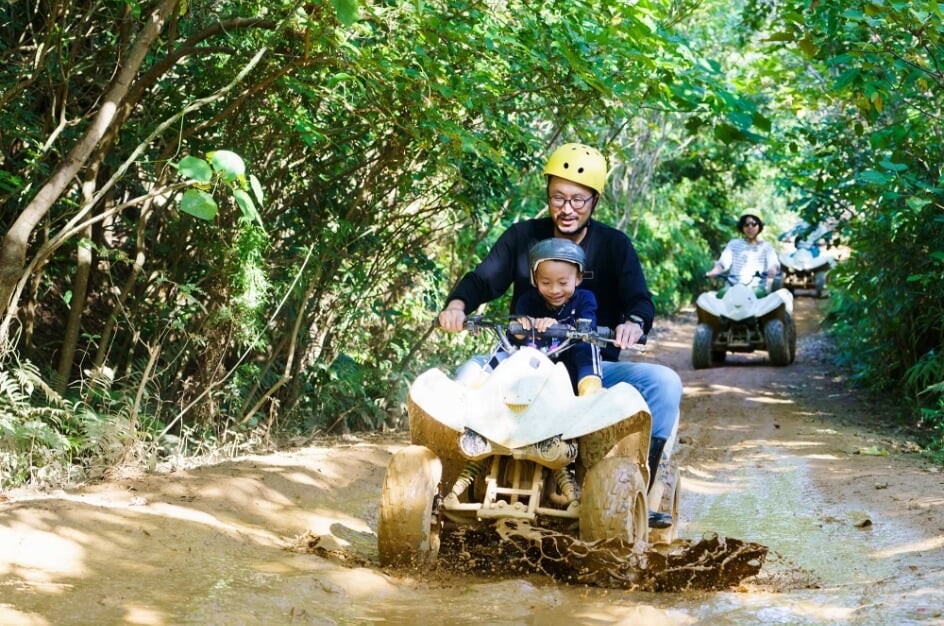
(743, 260)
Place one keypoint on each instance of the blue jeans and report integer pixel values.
(659, 386)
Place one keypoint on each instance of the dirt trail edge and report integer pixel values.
(783, 456)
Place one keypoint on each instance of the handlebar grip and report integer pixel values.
(605, 332)
(556, 331)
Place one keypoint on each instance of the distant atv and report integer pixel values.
(739, 321)
(807, 267)
(517, 443)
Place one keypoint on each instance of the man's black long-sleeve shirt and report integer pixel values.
(613, 273)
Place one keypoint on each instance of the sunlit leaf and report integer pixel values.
(347, 11)
(916, 204)
(195, 169)
(230, 165)
(247, 207)
(199, 204)
(256, 187)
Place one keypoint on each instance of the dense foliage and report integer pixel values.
(224, 221)
(865, 151)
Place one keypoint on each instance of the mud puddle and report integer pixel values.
(768, 455)
(828, 562)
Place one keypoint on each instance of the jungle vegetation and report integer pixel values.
(227, 222)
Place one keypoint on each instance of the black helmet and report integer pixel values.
(556, 249)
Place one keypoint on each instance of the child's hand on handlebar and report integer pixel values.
(540, 324)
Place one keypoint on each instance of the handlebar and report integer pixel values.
(733, 280)
(599, 336)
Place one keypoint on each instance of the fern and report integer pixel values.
(33, 435)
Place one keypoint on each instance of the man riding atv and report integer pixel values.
(576, 175)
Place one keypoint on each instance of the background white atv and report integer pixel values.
(739, 321)
(807, 266)
(519, 444)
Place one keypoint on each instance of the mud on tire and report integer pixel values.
(670, 479)
(613, 503)
(408, 530)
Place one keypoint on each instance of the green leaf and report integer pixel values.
(874, 177)
(916, 204)
(808, 46)
(741, 120)
(248, 208)
(895, 167)
(199, 204)
(256, 187)
(195, 169)
(781, 36)
(347, 11)
(728, 133)
(229, 164)
(846, 78)
(762, 122)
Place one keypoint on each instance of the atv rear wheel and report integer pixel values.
(701, 347)
(778, 348)
(613, 503)
(408, 528)
(671, 483)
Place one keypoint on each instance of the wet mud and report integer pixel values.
(786, 460)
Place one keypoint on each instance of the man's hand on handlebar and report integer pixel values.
(627, 334)
(452, 318)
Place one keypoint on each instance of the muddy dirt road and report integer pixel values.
(785, 457)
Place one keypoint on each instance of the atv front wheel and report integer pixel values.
(613, 503)
(819, 280)
(408, 529)
(778, 344)
(701, 347)
(790, 326)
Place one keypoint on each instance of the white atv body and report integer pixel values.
(806, 267)
(802, 270)
(739, 321)
(498, 449)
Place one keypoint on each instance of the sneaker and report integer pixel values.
(659, 520)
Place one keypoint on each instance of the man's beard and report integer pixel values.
(574, 230)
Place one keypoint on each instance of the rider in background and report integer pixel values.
(747, 260)
(575, 175)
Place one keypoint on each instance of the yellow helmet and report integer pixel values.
(579, 164)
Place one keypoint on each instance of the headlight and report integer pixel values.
(474, 445)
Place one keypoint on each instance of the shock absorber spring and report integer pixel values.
(466, 476)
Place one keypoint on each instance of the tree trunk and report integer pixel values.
(76, 305)
(16, 240)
